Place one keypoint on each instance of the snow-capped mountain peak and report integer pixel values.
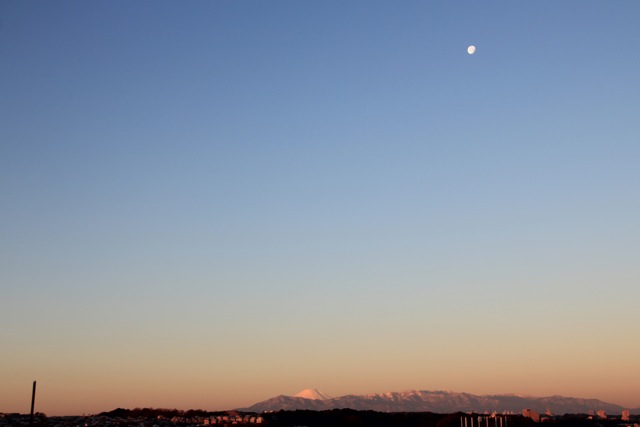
(313, 394)
(438, 401)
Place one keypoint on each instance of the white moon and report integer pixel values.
(471, 50)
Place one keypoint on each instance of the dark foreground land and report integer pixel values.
(331, 418)
(352, 418)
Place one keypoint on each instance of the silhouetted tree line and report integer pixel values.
(155, 412)
(328, 418)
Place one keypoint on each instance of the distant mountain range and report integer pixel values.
(440, 401)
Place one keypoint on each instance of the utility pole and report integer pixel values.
(33, 402)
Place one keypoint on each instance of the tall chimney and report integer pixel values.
(33, 402)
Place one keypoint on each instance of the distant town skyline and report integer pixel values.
(208, 204)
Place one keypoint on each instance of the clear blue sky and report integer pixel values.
(206, 204)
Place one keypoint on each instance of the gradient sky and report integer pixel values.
(207, 204)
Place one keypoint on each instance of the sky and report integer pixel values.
(208, 204)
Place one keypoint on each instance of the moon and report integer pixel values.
(471, 50)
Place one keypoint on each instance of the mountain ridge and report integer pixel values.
(438, 401)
